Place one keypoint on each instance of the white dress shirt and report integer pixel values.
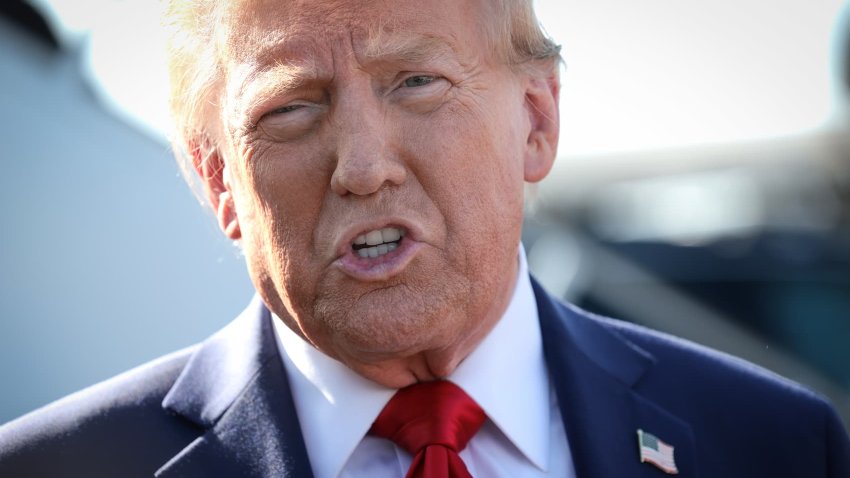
(506, 375)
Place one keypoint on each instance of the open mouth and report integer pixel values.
(378, 242)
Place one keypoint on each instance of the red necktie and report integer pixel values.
(433, 421)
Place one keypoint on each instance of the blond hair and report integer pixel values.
(195, 69)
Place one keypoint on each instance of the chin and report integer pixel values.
(385, 332)
(390, 321)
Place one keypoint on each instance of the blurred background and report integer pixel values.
(702, 188)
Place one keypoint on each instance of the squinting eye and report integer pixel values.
(286, 109)
(418, 80)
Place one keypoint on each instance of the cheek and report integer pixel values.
(470, 156)
(290, 181)
(284, 191)
(280, 172)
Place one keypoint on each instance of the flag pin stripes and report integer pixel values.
(656, 452)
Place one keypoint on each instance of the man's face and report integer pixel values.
(374, 157)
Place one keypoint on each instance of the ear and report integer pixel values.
(541, 102)
(213, 172)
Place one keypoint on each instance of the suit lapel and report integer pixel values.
(235, 388)
(594, 371)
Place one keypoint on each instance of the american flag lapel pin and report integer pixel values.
(656, 452)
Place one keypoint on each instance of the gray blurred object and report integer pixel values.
(102, 247)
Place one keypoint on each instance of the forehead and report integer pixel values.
(253, 29)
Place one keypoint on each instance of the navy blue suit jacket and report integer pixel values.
(223, 409)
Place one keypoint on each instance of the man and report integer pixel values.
(370, 157)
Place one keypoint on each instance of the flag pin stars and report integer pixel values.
(656, 452)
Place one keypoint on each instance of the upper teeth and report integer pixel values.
(384, 241)
(373, 238)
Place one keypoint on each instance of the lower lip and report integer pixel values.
(379, 268)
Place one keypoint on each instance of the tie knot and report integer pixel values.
(429, 413)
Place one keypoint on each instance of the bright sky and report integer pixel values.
(657, 73)
(640, 75)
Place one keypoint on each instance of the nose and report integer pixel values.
(367, 161)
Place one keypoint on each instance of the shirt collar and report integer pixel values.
(336, 407)
(506, 374)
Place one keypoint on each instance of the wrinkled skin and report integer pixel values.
(340, 117)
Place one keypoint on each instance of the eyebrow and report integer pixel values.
(272, 68)
(406, 47)
(281, 76)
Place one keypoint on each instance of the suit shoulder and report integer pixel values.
(685, 365)
(669, 348)
(112, 418)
